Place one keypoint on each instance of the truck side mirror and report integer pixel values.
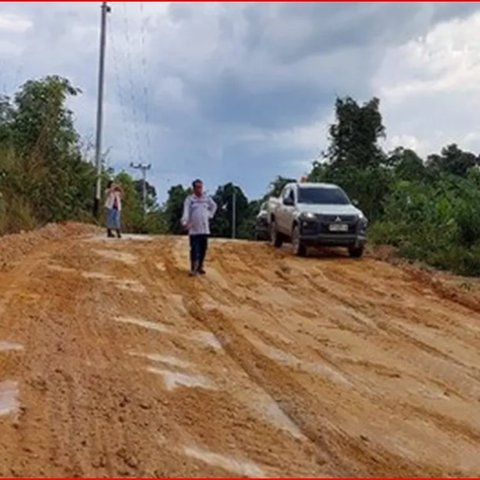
(288, 202)
(355, 202)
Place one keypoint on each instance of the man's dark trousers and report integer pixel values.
(198, 251)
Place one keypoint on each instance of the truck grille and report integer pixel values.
(334, 218)
(327, 220)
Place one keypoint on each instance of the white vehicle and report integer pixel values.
(316, 214)
(261, 223)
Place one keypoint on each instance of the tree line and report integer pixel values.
(46, 174)
(426, 207)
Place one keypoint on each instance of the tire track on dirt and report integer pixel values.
(335, 448)
(438, 417)
(349, 458)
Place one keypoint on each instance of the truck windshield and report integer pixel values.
(322, 196)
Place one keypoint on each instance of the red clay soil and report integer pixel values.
(113, 362)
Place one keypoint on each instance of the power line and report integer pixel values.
(146, 85)
(121, 91)
(131, 83)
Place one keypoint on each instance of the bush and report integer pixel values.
(437, 223)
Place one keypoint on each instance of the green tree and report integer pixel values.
(133, 219)
(277, 186)
(354, 135)
(155, 222)
(42, 124)
(246, 229)
(222, 223)
(6, 118)
(452, 160)
(151, 197)
(173, 209)
(45, 175)
(407, 165)
(45, 139)
(354, 159)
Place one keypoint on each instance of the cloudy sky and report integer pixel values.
(244, 92)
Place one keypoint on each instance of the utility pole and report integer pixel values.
(143, 167)
(101, 74)
(234, 213)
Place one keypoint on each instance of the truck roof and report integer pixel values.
(312, 185)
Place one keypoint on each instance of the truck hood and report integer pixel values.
(329, 209)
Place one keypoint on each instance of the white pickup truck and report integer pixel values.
(316, 214)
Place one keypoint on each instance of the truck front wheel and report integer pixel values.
(275, 237)
(298, 246)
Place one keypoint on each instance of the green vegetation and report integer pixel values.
(44, 174)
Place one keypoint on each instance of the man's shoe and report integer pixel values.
(201, 271)
(194, 269)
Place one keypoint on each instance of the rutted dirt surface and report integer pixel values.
(114, 363)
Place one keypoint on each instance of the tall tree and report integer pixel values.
(48, 144)
(42, 123)
(354, 135)
(354, 160)
(48, 179)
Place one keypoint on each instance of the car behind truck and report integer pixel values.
(262, 231)
(316, 214)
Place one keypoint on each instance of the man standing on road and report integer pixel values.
(198, 210)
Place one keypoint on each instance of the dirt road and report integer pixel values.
(114, 363)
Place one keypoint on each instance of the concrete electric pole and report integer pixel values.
(101, 74)
(143, 167)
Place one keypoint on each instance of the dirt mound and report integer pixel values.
(15, 246)
(465, 291)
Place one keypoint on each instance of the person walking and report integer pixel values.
(198, 210)
(113, 204)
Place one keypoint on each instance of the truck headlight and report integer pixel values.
(308, 216)
(362, 223)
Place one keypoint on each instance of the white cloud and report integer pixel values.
(430, 88)
(10, 22)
